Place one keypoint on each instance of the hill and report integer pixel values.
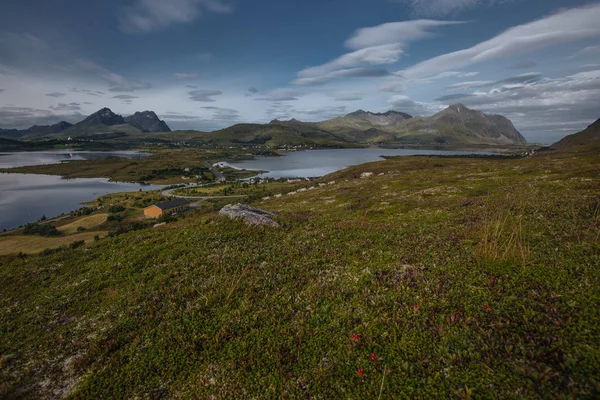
(434, 278)
(589, 137)
(147, 121)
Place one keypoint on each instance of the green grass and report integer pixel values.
(442, 278)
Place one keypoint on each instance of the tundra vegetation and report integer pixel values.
(428, 278)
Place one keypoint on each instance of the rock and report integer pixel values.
(266, 198)
(159, 225)
(147, 121)
(250, 215)
(301, 190)
(322, 184)
(291, 193)
(278, 195)
(366, 175)
(331, 183)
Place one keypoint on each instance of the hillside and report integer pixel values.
(589, 137)
(36, 131)
(434, 278)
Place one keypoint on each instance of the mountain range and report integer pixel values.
(102, 121)
(456, 125)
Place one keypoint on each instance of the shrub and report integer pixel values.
(41, 229)
(77, 244)
(116, 209)
(80, 229)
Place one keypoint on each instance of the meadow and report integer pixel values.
(431, 278)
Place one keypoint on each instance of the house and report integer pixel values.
(168, 207)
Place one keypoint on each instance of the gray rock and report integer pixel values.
(250, 215)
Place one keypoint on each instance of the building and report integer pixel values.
(168, 207)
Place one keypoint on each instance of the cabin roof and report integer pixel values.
(172, 204)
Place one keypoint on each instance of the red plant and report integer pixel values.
(373, 357)
(361, 371)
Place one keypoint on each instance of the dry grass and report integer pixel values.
(89, 222)
(35, 244)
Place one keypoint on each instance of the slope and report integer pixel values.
(588, 138)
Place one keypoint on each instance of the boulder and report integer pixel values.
(250, 215)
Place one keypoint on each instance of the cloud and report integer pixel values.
(452, 97)
(66, 107)
(89, 92)
(150, 15)
(587, 51)
(443, 7)
(407, 105)
(327, 112)
(523, 65)
(542, 109)
(372, 46)
(343, 73)
(279, 110)
(204, 95)
(2, 90)
(125, 97)
(346, 95)
(117, 83)
(469, 85)
(393, 86)
(183, 76)
(283, 94)
(55, 94)
(24, 117)
(563, 27)
(223, 114)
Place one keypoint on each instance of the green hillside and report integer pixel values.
(434, 278)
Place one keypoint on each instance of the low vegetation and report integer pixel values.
(430, 278)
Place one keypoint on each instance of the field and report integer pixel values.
(28, 244)
(432, 278)
(87, 223)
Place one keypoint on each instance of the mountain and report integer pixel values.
(35, 131)
(455, 125)
(459, 124)
(106, 121)
(147, 121)
(589, 137)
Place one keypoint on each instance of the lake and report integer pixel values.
(27, 197)
(316, 163)
(23, 158)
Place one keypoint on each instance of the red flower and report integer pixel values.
(416, 308)
(354, 336)
(486, 307)
(373, 358)
(361, 371)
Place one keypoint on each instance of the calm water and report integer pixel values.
(21, 159)
(315, 163)
(26, 197)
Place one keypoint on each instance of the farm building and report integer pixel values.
(168, 207)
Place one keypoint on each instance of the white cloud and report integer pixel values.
(377, 45)
(587, 51)
(443, 7)
(406, 104)
(395, 32)
(150, 15)
(469, 85)
(204, 95)
(117, 83)
(184, 76)
(282, 94)
(563, 27)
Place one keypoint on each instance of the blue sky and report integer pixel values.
(207, 64)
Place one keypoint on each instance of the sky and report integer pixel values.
(208, 64)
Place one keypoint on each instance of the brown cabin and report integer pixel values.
(168, 207)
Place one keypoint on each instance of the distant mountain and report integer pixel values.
(106, 121)
(455, 125)
(459, 124)
(35, 131)
(147, 121)
(589, 137)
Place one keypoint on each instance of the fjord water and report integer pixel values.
(23, 158)
(27, 197)
(316, 163)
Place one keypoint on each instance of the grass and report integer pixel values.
(87, 222)
(441, 278)
(29, 244)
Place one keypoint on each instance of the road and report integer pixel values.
(167, 193)
(218, 174)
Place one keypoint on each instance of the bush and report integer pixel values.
(80, 229)
(114, 217)
(41, 229)
(77, 244)
(96, 238)
(116, 209)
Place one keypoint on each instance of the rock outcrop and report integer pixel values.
(250, 215)
(147, 121)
